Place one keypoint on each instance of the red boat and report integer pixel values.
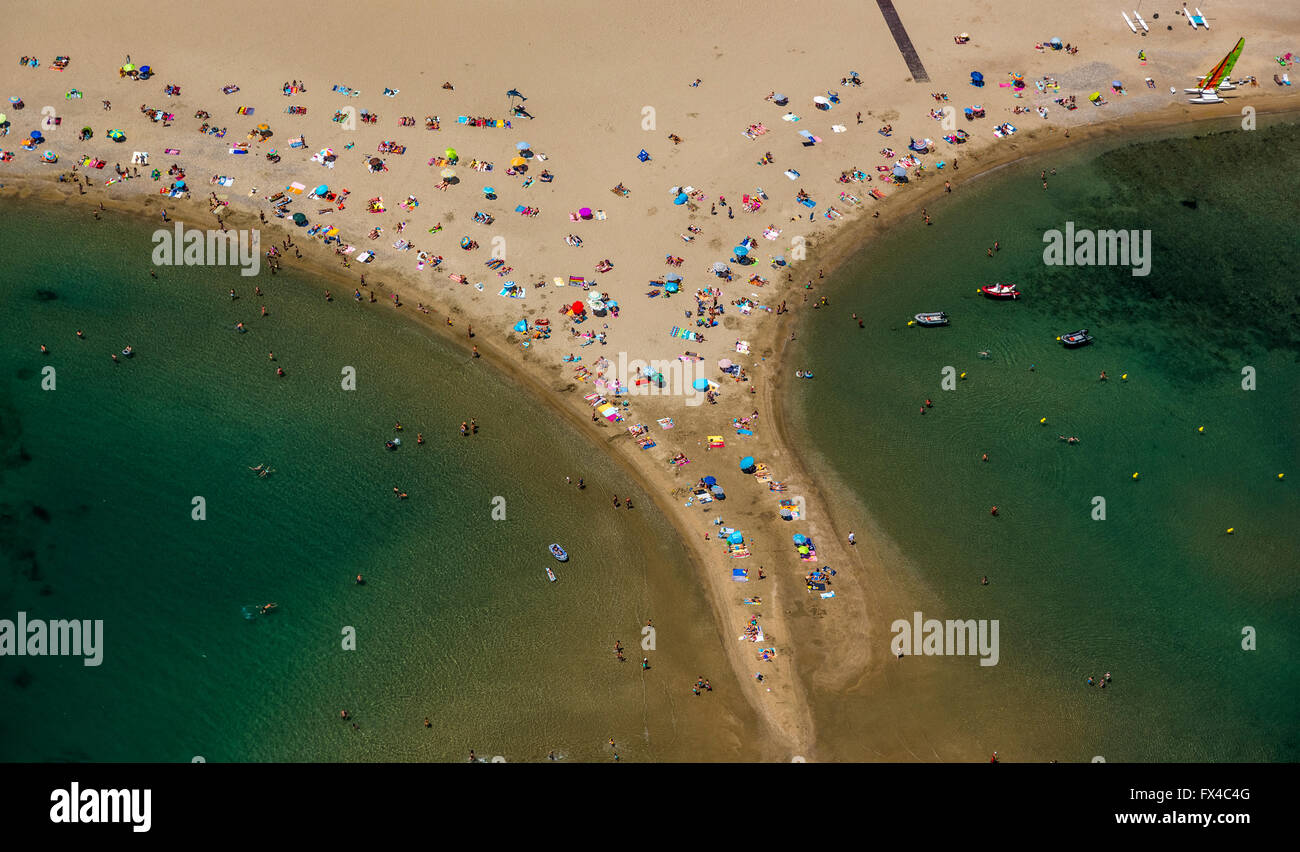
(1000, 291)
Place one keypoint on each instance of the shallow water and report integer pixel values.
(1155, 593)
(456, 622)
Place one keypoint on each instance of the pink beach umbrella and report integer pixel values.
(585, 212)
(725, 364)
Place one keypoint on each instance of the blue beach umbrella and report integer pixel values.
(321, 190)
(680, 199)
(800, 538)
(673, 277)
(672, 287)
(736, 538)
(747, 462)
(741, 251)
(710, 480)
(522, 325)
(701, 384)
(180, 184)
(899, 171)
(523, 146)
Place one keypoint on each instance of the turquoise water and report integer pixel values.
(457, 621)
(1156, 593)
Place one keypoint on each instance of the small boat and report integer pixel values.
(558, 553)
(1000, 291)
(936, 318)
(551, 575)
(1076, 338)
(393, 444)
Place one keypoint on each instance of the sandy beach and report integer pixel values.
(626, 88)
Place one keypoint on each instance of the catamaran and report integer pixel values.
(1207, 90)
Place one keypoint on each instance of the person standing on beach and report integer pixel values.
(852, 539)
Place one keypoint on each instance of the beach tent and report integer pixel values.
(672, 287)
(643, 156)
(976, 79)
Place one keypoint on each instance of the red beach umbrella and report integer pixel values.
(579, 308)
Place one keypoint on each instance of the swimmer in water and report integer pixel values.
(419, 438)
(81, 334)
(1103, 376)
(114, 357)
(397, 426)
(985, 457)
(44, 351)
(985, 580)
(279, 371)
(360, 580)
(993, 511)
(464, 428)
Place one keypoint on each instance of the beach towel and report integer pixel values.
(665, 423)
(742, 346)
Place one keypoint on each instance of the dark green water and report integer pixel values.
(1156, 593)
(457, 621)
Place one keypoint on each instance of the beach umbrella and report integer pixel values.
(736, 538)
(489, 191)
(786, 515)
(717, 491)
(800, 538)
(50, 156)
(1055, 40)
(263, 126)
(128, 67)
(518, 161)
(741, 251)
(466, 242)
(180, 184)
(700, 384)
(1095, 96)
(448, 173)
(15, 100)
(725, 364)
(710, 480)
(673, 277)
(780, 100)
(821, 102)
(36, 134)
(976, 77)
(515, 93)
(747, 462)
(299, 219)
(899, 171)
(4, 119)
(585, 212)
(681, 199)
(522, 325)
(967, 35)
(523, 146)
(321, 190)
(719, 267)
(578, 308)
(451, 154)
(1117, 84)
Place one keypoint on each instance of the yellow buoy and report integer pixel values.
(963, 375)
(1200, 428)
(1135, 476)
(911, 322)
(1124, 377)
(1058, 338)
(1231, 530)
(1043, 421)
(1281, 476)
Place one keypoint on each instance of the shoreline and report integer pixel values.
(842, 631)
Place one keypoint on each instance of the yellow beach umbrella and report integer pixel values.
(3, 118)
(448, 173)
(263, 127)
(518, 161)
